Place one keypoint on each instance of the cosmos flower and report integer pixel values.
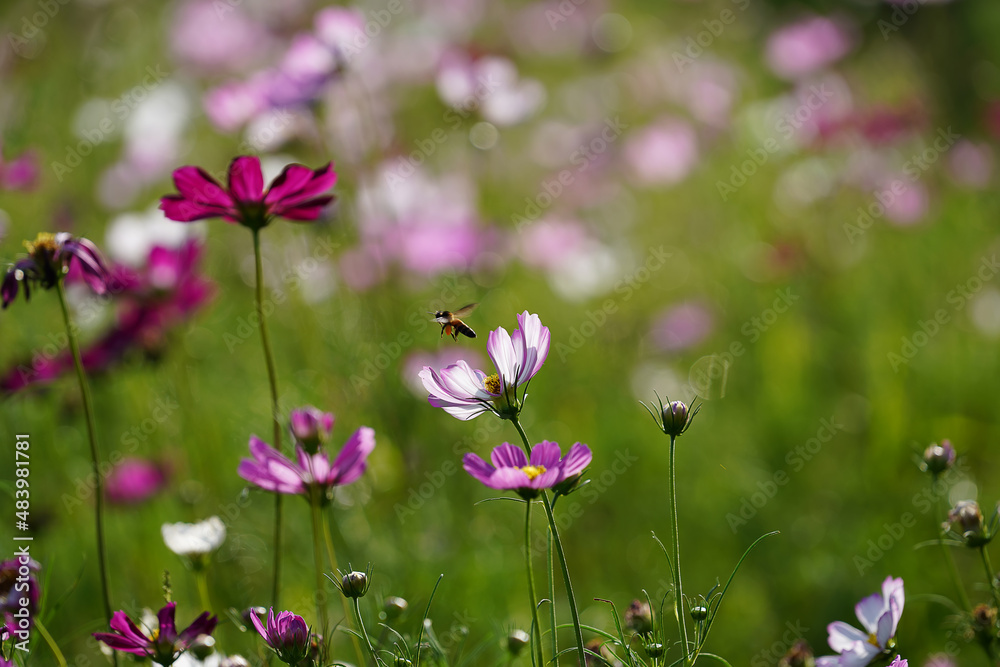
(879, 615)
(311, 427)
(163, 645)
(194, 540)
(135, 480)
(296, 194)
(50, 258)
(271, 470)
(21, 173)
(287, 634)
(513, 471)
(12, 573)
(465, 393)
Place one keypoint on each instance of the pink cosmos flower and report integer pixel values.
(162, 646)
(807, 45)
(135, 480)
(513, 471)
(879, 615)
(50, 258)
(465, 393)
(296, 194)
(271, 470)
(21, 173)
(287, 634)
(311, 427)
(16, 588)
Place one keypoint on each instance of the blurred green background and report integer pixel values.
(858, 296)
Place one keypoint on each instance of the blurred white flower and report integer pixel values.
(194, 539)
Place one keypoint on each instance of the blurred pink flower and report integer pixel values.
(21, 173)
(134, 481)
(218, 38)
(971, 164)
(801, 48)
(549, 242)
(682, 326)
(906, 201)
(489, 84)
(663, 153)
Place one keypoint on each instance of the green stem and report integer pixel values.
(51, 642)
(562, 557)
(314, 501)
(364, 633)
(949, 560)
(332, 558)
(990, 577)
(272, 378)
(552, 600)
(95, 454)
(536, 630)
(676, 549)
(202, 581)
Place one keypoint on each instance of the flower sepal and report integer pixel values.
(674, 418)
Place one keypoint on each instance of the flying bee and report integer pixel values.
(451, 324)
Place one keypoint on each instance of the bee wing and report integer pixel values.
(465, 310)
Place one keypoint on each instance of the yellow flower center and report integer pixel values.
(533, 471)
(493, 384)
(44, 241)
(873, 640)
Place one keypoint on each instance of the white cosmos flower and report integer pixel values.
(194, 539)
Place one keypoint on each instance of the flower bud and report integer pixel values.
(968, 519)
(675, 418)
(354, 584)
(393, 607)
(654, 650)
(800, 655)
(400, 661)
(984, 616)
(202, 646)
(639, 617)
(311, 427)
(699, 613)
(516, 641)
(939, 458)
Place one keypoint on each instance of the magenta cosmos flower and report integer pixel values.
(49, 259)
(513, 471)
(287, 634)
(464, 392)
(162, 646)
(311, 427)
(296, 194)
(271, 470)
(879, 615)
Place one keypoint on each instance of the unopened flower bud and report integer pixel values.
(394, 607)
(400, 661)
(938, 458)
(968, 518)
(516, 641)
(699, 613)
(311, 427)
(202, 646)
(984, 616)
(800, 655)
(654, 650)
(675, 418)
(639, 617)
(354, 584)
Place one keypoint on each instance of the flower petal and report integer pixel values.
(546, 454)
(197, 186)
(246, 181)
(351, 461)
(504, 356)
(296, 184)
(508, 456)
(842, 636)
(477, 467)
(576, 460)
(869, 610)
(168, 630)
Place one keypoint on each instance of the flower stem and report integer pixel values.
(675, 544)
(202, 581)
(990, 577)
(554, 530)
(949, 560)
(364, 633)
(314, 501)
(95, 454)
(552, 600)
(272, 378)
(51, 642)
(332, 559)
(536, 631)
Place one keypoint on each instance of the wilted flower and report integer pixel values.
(938, 458)
(13, 572)
(879, 615)
(465, 393)
(287, 635)
(800, 655)
(296, 194)
(163, 645)
(50, 257)
(512, 470)
(194, 540)
(273, 471)
(311, 427)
